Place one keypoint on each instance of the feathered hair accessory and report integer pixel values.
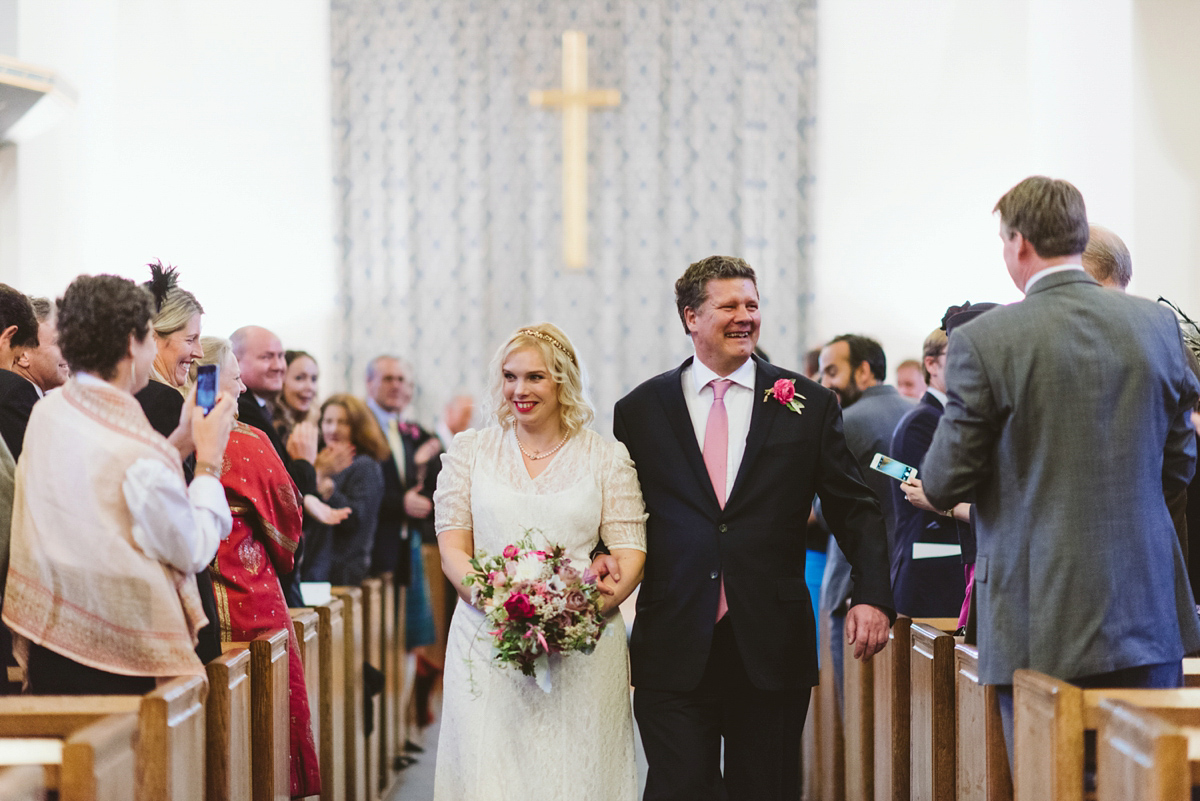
(1187, 327)
(162, 281)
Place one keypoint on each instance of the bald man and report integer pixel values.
(1106, 259)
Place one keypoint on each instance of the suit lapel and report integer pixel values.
(671, 394)
(761, 418)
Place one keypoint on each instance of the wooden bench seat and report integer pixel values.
(931, 706)
(228, 719)
(331, 635)
(270, 715)
(982, 756)
(169, 732)
(1141, 755)
(355, 741)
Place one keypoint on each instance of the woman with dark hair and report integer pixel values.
(295, 402)
(266, 532)
(100, 596)
(342, 553)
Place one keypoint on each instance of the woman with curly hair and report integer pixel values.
(342, 553)
(100, 594)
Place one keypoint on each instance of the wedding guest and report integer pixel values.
(266, 530)
(260, 356)
(176, 329)
(295, 400)
(133, 528)
(43, 366)
(1106, 259)
(910, 379)
(348, 475)
(18, 333)
(456, 418)
(539, 467)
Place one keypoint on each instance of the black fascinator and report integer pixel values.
(162, 280)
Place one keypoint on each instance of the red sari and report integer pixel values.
(267, 522)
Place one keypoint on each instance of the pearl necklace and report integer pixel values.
(540, 455)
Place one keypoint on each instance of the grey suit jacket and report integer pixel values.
(1068, 418)
(868, 424)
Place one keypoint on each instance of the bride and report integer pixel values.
(541, 469)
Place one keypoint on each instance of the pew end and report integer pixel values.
(228, 719)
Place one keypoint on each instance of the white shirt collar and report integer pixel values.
(937, 393)
(89, 380)
(1040, 274)
(702, 375)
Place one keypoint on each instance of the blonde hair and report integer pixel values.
(549, 342)
(933, 347)
(216, 350)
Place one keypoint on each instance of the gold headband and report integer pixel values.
(547, 338)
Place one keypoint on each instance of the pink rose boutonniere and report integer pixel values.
(784, 391)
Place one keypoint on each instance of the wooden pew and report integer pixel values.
(401, 679)
(831, 779)
(228, 717)
(1143, 756)
(931, 705)
(170, 731)
(391, 721)
(982, 756)
(1051, 717)
(372, 603)
(305, 627)
(23, 783)
(270, 715)
(81, 761)
(858, 725)
(1191, 672)
(891, 712)
(356, 749)
(332, 705)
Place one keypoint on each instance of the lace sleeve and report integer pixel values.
(623, 516)
(452, 499)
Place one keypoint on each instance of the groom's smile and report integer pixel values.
(725, 328)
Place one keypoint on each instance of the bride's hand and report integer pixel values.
(607, 571)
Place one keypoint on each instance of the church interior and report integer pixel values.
(417, 178)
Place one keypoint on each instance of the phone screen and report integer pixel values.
(206, 387)
(889, 466)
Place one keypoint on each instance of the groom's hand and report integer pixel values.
(867, 627)
(605, 567)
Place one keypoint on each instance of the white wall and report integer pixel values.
(201, 137)
(929, 110)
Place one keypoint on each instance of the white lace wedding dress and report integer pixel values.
(501, 736)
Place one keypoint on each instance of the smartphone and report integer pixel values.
(206, 386)
(889, 466)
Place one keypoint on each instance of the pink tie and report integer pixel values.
(716, 457)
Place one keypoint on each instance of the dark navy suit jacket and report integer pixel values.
(757, 541)
(923, 587)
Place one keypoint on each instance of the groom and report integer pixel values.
(724, 642)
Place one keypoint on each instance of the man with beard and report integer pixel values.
(854, 367)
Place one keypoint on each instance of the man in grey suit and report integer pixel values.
(1067, 420)
(854, 367)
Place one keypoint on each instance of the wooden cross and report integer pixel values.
(575, 98)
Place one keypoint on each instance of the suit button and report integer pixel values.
(722, 528)
(713, 574)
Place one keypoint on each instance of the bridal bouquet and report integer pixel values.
(536, 604)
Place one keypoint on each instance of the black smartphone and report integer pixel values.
(206, 386)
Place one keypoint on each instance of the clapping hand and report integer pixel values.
(429, 449)
(302, 444)
(417, 505)
(323, 512)
(333, 459)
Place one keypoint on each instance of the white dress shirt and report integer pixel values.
(174, 523)
(739, 405)
(937, 393)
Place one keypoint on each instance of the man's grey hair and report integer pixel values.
(373, 365)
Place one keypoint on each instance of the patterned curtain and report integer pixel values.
(449, 187)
